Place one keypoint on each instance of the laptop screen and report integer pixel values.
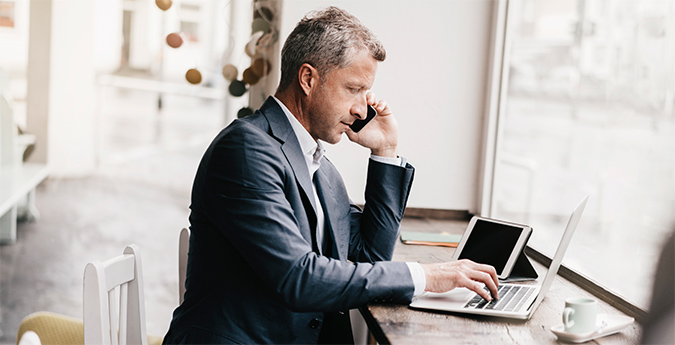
(491, 243)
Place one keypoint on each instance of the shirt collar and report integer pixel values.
(307, 144)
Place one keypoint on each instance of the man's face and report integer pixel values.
(341, 98)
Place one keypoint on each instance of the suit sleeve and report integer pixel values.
(375, 231)
(244, 194)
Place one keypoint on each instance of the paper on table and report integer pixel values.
(430, 239)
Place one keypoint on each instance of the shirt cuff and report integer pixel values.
(400, 161)
(418, 277)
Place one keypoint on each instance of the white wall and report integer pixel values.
(108, 35)
(435, 79)
(67, 47)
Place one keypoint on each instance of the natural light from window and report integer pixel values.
(590, 111)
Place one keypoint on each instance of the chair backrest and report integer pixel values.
(114, 301)
(183, 247)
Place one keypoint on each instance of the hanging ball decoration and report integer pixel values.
(268, 39)
(193, 76)
(163, 4)
(249, 77)
(264, 12)
(237, 88)
(230, 72)
(252, 44)
(250, 49)
(174, 40)
(261, 67)
(260, 24)
(243, 112)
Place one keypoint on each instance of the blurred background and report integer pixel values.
(515, 114)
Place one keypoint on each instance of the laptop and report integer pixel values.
(516, 301)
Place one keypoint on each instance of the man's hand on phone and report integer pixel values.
(381, 134)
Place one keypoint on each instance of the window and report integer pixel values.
(190, 30)
(7, 13)
(589, 109)
(191, 16)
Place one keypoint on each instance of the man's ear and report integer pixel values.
(308, 78)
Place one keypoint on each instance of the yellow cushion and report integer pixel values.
(153, 340)
(57, 329)
(53, 328)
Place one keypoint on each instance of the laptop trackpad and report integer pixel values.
(450, 299)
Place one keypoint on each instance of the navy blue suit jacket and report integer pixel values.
(254, 274)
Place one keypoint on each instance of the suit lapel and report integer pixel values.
(297, 161)
(324, 190)
(282, 130)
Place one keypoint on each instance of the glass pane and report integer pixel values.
(7, 13)
(590, 110)
(190, 30)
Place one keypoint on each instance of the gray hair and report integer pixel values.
(327, 40)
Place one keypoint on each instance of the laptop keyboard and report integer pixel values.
(511, 298)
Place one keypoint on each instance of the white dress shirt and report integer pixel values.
(313, 151)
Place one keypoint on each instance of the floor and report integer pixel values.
(139, 194)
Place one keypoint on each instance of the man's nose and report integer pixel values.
(360, 111)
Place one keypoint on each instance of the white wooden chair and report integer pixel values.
(114, 305)
(183, 247)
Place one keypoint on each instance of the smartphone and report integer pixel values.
(359, 124)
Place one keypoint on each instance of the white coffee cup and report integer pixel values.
(580, 315)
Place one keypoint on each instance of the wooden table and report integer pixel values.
(399, 324)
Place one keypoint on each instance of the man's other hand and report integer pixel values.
(446, 276)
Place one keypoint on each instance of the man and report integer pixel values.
(278, 253)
